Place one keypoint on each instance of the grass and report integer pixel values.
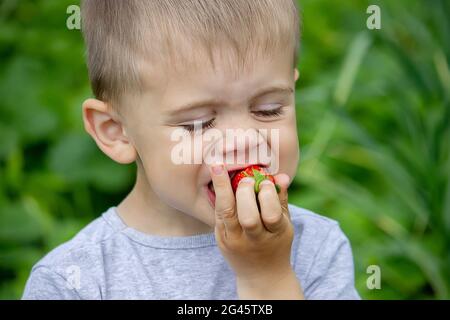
(373, 118)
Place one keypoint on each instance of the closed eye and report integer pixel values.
(269, 113)
(198, 124)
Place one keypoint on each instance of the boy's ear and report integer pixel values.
(297, 74)
(107, 131)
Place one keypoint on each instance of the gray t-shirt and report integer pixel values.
(109, 260)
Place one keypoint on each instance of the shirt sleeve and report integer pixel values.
(331, 276)
(45, 284)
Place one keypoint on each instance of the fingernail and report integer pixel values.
(267, 182)
(217, 169)
(247, 180)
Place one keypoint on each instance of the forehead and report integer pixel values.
(220, 76)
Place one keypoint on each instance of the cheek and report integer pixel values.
(289, 151)
(174, 180)
(171, 182)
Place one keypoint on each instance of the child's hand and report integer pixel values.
(256, 245)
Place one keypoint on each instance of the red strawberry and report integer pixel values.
(256, 172)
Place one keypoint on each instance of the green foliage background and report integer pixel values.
(373, 117)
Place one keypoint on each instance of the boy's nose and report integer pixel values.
(241, 146)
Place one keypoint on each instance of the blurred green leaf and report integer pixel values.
(373, 113)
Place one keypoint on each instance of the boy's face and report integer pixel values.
(233, 102)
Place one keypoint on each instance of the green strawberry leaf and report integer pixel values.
(259, 177)
(257, 174)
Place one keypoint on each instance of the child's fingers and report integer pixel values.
(220, 230)
(225, 206)
(248, 213)
(282, 180)
(271, 212)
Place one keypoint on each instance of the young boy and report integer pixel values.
(158, 67)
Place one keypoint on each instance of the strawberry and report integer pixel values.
(255, 172)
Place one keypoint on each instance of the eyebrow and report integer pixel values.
(215, 102)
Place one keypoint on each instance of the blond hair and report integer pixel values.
(119, 34)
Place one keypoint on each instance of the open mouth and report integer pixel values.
(210, 188)
(231, 173)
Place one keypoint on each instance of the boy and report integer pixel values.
(158, 67)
